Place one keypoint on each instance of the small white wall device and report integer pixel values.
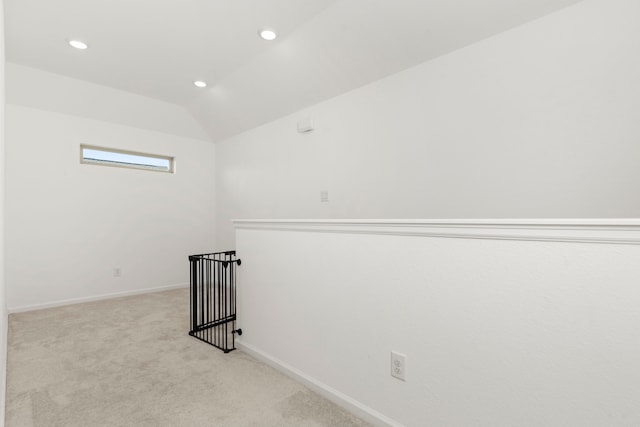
(305, 125)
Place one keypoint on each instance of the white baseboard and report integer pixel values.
(341, 399)
(61, 303)
(3, 364)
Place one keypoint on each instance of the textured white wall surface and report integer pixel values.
(69, 224)
(40, 89)
(521, 332)
(3, 300)
(539, 121)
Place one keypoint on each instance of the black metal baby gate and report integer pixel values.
(213, 299)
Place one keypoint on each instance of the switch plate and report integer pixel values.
(398, 365)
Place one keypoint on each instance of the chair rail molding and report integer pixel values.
(599, 230)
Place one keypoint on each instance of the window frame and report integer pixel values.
(83, 160)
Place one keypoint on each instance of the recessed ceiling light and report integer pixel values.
(78, 44)
(267, 34)
(200, 83)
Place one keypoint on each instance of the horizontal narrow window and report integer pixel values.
(125, 159)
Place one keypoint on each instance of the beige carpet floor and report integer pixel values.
(130, 362)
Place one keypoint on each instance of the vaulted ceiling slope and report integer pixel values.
(157, 48)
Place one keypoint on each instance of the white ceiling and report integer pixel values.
(157, 48)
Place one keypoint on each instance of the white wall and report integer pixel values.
(69, 225)
(523, 332)
(539, 121)
(40, 89)
(3, 301)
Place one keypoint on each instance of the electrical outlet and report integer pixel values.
(117, 272)
(324, 196)
(398, 365)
